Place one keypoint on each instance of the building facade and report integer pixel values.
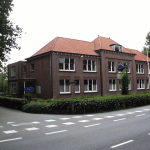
(91, 67)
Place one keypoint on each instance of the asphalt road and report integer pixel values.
(121, 130)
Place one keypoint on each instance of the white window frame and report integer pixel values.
(140, 84)
(87, 70)
(78, 87)
(64, 69)
(92, 86)
(139, 69)
(112, 85)
(65, 87)
(13, 71)
(111, 69)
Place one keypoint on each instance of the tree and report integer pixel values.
(147, 45)
(9, 32)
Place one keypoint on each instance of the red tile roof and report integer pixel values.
(68, 45)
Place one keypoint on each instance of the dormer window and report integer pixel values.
(117, 48)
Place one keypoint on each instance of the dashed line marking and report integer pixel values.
(84, 121)
(92, 125)
(10, 122)
(109, 116)
(11, 139)
(56, 132)
(21, 124)
(77, 117)
(49, 120)
(120, 115)
(146, 109)
(51, 126)
(97, 118)
(10, 131)
(68, 123)
(129, 113)
(121, 144)
(35, 122)
(120, 119)
(148, 133)
(32, 129)
(138, 111)
(64, 118)
(89, 115)
(1, 126)
(139, 115)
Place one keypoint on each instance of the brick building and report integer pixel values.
(91, 65)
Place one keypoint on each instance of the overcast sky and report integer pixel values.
(125, 21)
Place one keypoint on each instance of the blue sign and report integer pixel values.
(121, 68)
(29, 89)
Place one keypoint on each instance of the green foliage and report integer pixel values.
(16, 103)
(8, 31)
(88, 104)
(28, 96)
(147, 45)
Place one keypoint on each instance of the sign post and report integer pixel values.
(29, 89)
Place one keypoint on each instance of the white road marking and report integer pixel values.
(121, 144)
(92, 125)
(97, 118)
(138, 111)
(89, 115)
(35, 122)
(120, 119)
(56, 132)
(120, 114)
(148, 133)
(109, 116)
(139, 115)
(51, 126)
(1, 126)
(11, 139)
(77, 117)
(64, 118)
(84, 121)
(129, 113)
(21, 124)
(146, 109)
(49, 120)
(31, 129)
(10, 122)
(68, 123)
(10, 131)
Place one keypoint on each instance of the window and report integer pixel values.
(24, 69)
(64, 86)
(147, 83)
(140, 84)
(112, 85)
(66, 64)
(111, 66)
(32, 67)
(139, 68)
(90, 85)
(13, 71)
(13, 88)
(89, 65)
(117, 48)
(77, 86)
(128, 67)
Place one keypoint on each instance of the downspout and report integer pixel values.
(101, 75)
(51, 79)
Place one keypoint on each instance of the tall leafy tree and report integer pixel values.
(147, 45)
(9, 32)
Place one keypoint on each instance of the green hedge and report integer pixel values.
(10, 102)
(81, 105)
(89, 105)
